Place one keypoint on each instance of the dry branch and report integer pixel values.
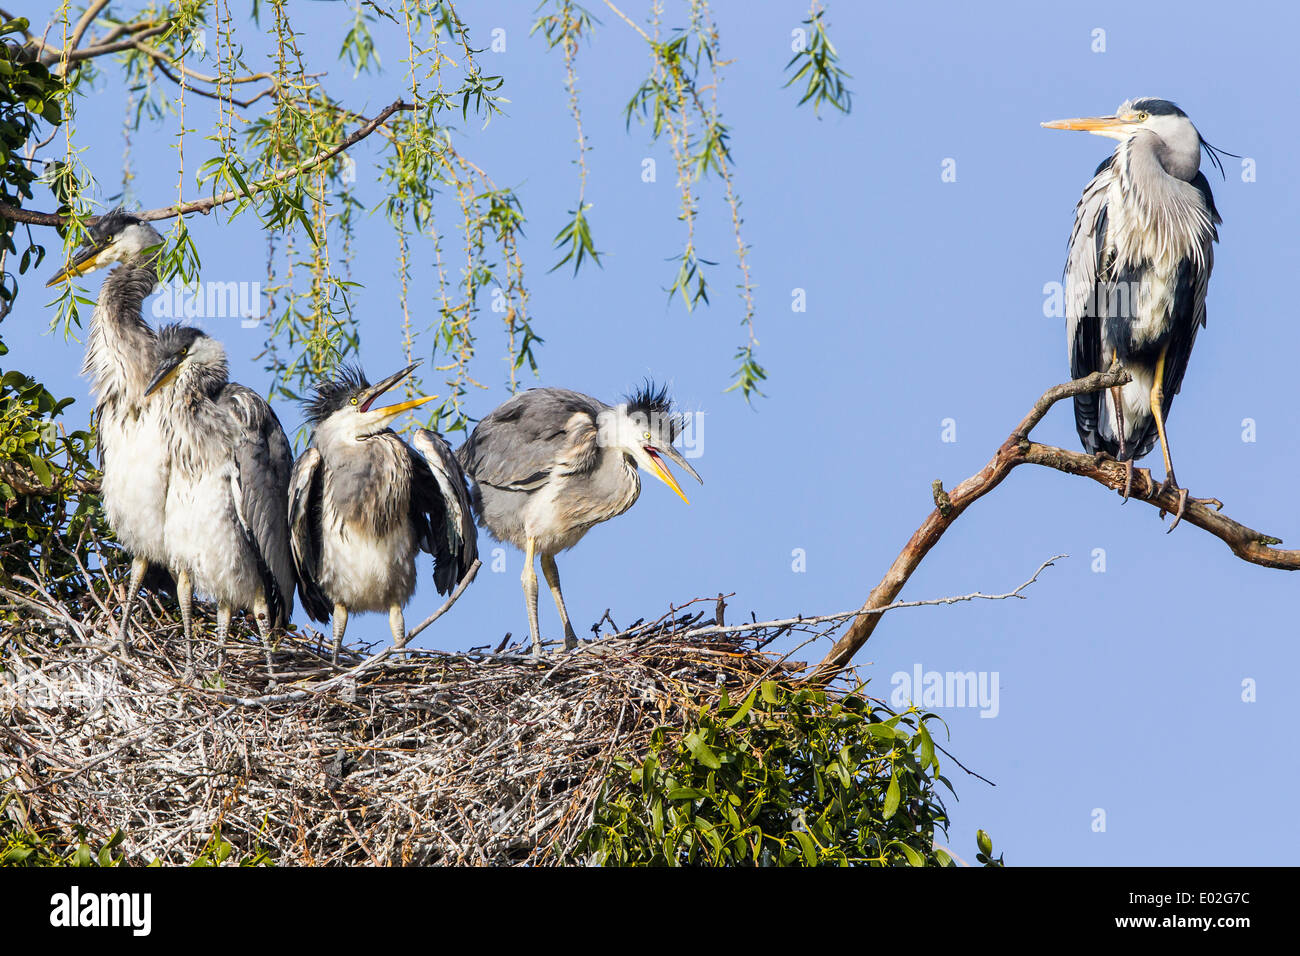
(1246, 543)
(205, 206)
(428, 757)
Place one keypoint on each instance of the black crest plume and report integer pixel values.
(111, 223)
(333, 393)
(653, 402)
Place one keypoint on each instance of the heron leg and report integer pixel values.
(552, 573)
(224, 614)
(1158, 410)
(263, 615)
(185, 595)
(530, 595)
(397, 624)
(1117, 399)
(138, 568)
(340, 628)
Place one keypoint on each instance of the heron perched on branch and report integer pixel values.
(121, 354)
(363, 502)
(550, 464)
(1136, 275)
(227, 532)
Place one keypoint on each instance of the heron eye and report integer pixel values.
(1142, 117)
(647, 436)
(354, 401)
(184, 352)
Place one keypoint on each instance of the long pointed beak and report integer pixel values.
(164, 374)
(661, 471)
(387, 413)
(377, 390)
(1090, 124)
(83, 261)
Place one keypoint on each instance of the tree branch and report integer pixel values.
(1246, 543)
(24, 481)
(205, 206)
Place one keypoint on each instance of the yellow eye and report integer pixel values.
(1142, 117)
(647, 436)
(354, 401)
(185, 352)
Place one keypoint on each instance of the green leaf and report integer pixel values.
(685, 793)
(809, 848)
(892, 797)
(701, 751)
(743, 710)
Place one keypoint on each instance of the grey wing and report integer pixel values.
(1188, 309)
(263, 462)
(1087, 276)
(442, 492)
(533, 435)
(305, 488)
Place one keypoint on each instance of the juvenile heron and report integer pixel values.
(550, 464)
(120, 358)
(1136, 275)
(227, 532)
(362, 503)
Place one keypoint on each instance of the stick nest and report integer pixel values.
(488, 757)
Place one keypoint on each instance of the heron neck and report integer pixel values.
(120, 353)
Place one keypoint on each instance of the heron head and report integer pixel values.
(644, 428)
(186, 354)
(1177, 139)
(117, 236)
(343, 405)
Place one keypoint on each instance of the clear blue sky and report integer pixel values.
(1119, 690)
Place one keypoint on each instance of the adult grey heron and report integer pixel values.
(550, 464)
(120, 359)
(1136, 274)
(362, 502)
(226, 530)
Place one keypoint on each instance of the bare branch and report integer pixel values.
(1246, 543)
(24, 481)
(205, 206)
(455, 596)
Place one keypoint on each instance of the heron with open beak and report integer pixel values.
(550, 464)
(363, 503)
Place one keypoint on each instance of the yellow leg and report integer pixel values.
(530, 594)
(1158, 410)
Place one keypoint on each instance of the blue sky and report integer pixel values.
(1119, 690)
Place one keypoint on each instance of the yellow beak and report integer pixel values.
(664, 475)
(82, 264)
(1090, 124)
(392, 411)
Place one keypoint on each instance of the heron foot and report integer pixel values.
(1170, 484)
(1128, 480)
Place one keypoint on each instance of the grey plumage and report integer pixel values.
(362, 503)
(227, 499)
(1137, 272)
(121, 352)
(550, 464)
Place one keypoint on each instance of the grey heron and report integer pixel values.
(362, 503)
(550, 464)
(226, 530)
(120, 359)
(1136, 273)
